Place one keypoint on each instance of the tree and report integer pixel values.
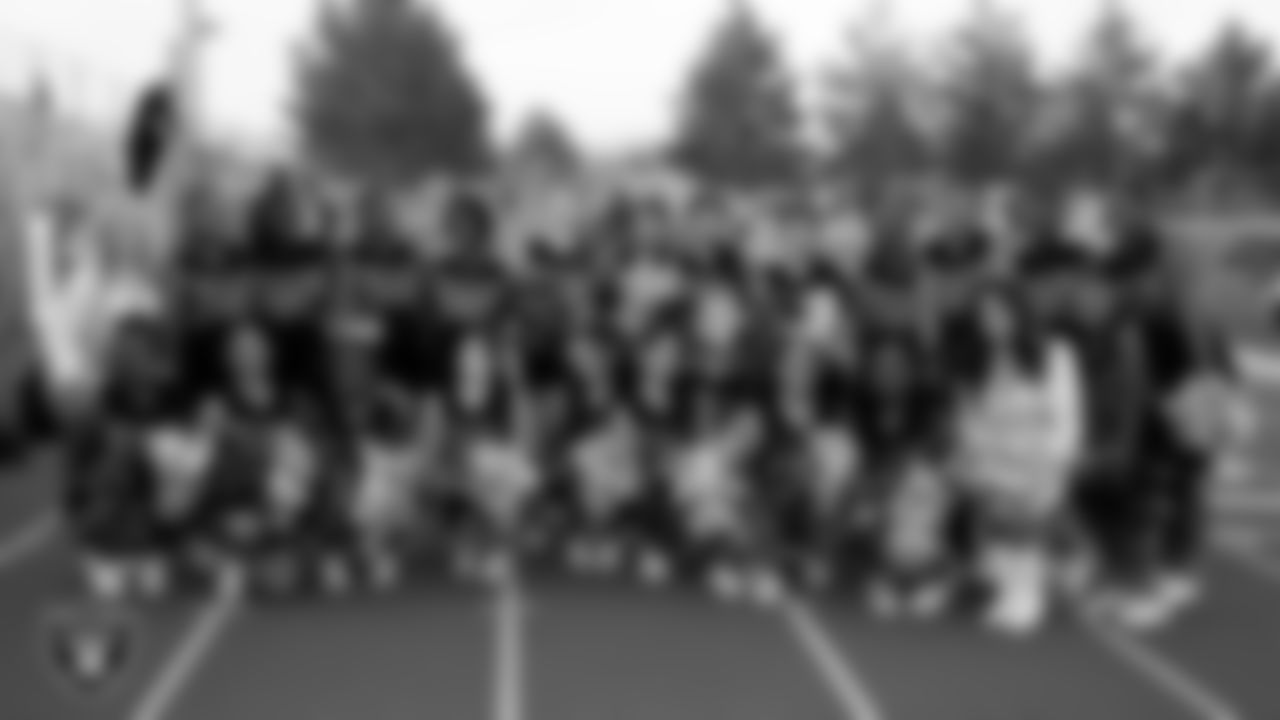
(546, 145)
(992, 97)
(876, 98)
(1108, 125)
(383, 96)
(1226, 105)
(740, 124)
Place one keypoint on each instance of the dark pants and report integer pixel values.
(1146, 517)
(1177, 510)
(1109, 513)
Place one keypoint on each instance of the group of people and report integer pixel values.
(979, 420)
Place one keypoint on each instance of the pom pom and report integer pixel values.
(151, 135)
(1211, 415)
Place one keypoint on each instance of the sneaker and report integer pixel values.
(608, 558)
(727, 584)
(497, 569)
(231, 582)
(151, 579)
(1017, 615)
(581, 557)
(1142, 612)
(384, 573)
(466, 564)
(886, 602)
(107, 580)
(655, 569)
(1179, 591)
(766, 589)
(335, 577)
(930, 601)
(281, 575)
(1076, 576)
(817, 575)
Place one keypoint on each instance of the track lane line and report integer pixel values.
(33, 536)
(182, 666)
(509, 612)
(834, 666)
(1160, 671)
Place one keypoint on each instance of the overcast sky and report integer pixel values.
(610, 68)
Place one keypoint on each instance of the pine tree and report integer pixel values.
(740, 124)
(992, 98)
(384, 97)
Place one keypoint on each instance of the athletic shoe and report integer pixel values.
(231, 582)
(655, 569)
(1017, 615)
(608, 558)
(107, 580)
(1021, 603)
(152, 578)
(581, 557)
(727, 584)
(335, 577)
(1076, 576)
(384, 573)
(281, 575)
(817, 575)
(1141, 612)
(885, 601)
(497, 569)
(766, 588)
(930, 601)
(1179, 591)
(466, 565)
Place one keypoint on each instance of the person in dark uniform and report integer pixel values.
(817, 511)
(1082, 295)
(902, 418)
(491, 437)
(137, 478)
(1187, 421)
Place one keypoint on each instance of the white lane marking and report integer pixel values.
(1174, 681)
(33, 536)
(181, 667)
(835, 667)
(509, 651)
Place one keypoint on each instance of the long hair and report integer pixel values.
(975, 351)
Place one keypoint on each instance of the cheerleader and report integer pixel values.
(820, 516)
(711, 483)
(655, 388)
(608, 480)
(1020, 433)
(246, 513)
(708, 486)
(499, 475)
(372, 293)
(145, 469)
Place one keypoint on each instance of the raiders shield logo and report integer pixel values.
(89, 648)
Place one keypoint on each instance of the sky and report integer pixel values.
(610, 69)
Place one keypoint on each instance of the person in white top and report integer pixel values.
(1020, 436)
